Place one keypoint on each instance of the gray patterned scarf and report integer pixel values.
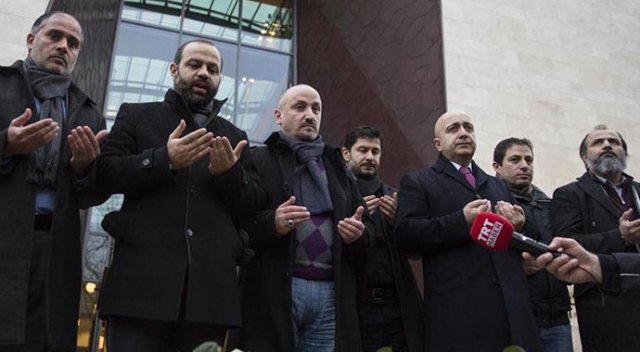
(310, 184)
(50, 89)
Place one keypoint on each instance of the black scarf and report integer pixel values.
(369, 184)
(310, 184)
(50, 89)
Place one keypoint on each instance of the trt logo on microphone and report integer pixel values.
(489, 232)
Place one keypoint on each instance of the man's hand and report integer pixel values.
(350, 229)
(372, 202)
(184, 151)
(85, 147)
(629, 229)
(289, 215)
(473, 208)
(388, 207)
(222, 157)
(22, 140)
(529, 264)
(583, 267)
(513, 213)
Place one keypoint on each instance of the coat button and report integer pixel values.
(193, 190)
(146, 162)
(189, 232)
(496, 282)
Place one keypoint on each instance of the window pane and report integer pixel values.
(153, 12)
(140, 70)
(268, 23)
(213, 18)
(264, 76)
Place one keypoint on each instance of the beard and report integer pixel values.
(185, 89)
(607, 164)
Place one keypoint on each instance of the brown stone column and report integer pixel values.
(378, 63)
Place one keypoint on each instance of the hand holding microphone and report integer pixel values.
(494, 232)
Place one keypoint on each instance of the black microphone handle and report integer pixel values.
(527, 244)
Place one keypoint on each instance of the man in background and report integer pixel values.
(513, 163)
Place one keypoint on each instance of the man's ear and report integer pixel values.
(278, 117)
(436, 143)
(497, 167)
(173, 69)
(346, 155)
(30, 38)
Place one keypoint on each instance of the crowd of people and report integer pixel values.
(321, 242)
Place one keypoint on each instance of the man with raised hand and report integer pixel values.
(49, 137)
(172, 283)
(299, 291)
(600, 211)
(388, 297)
(475, 299)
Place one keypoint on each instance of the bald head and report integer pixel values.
(299, 112)
(454, 137)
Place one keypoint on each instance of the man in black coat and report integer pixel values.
(600, 210)
(49, 137)
(513, 163)
(475, 299)
(299, 291)
(388, 298)
(172, 283)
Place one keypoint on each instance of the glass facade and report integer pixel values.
(255, 39)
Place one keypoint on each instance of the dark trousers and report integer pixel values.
(382, 325)
(141, 335)
(36, 324)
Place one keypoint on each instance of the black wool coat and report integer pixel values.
(17, 219)
(267, 305)
(583, 210)
(404, 280)
(176, 228)
(475, 299)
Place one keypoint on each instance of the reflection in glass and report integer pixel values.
(140, 70)
(268, 23)
(263, 77)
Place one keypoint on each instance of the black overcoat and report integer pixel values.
(267, 305)
(475, 299)
(17, 216)
(176, 227)
(405, 282)
(583, 210)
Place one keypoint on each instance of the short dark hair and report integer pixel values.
(501, 148)
(583, 144)
(178, 56)
(361, 132)
(40, 21)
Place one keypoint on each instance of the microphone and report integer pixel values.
(494, 232)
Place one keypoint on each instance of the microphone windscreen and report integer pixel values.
(491, 231)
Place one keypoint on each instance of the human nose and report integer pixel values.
(63, 45)
(203, 72)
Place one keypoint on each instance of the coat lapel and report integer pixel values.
(443, 165)
(595, 191)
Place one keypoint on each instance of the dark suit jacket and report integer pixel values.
(583, 210)
(267, 305)
(176, 228)
(475, 299)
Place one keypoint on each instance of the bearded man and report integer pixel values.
(600, 210)
(172, 283)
